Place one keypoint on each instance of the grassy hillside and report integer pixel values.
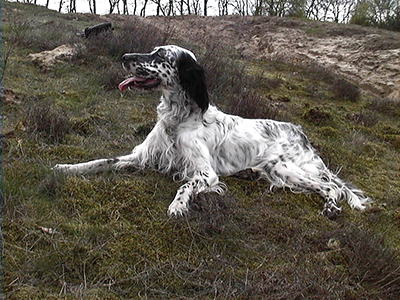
(107, 236)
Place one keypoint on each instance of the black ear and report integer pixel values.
(192, 79)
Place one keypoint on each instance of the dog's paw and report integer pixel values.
(178, 209)
(331, 210)
(64, 168)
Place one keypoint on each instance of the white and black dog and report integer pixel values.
(196, 142)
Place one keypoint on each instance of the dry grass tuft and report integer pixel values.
(345, 90)
(47, 121)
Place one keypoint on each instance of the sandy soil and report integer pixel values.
(47, 59)
(370, 57)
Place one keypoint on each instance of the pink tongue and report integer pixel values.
(130, 81)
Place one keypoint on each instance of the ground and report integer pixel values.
(107, 236)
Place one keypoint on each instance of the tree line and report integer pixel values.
(376, 13)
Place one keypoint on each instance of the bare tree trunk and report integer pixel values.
(170, 7)
(134, 7)
(113, 3)
(61, 5)
(92, 6)
(143, 10)
(72, 6)
(125, 9)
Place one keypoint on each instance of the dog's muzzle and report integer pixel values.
(141, 79)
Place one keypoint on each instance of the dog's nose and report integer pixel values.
(124, 57)
(128, 57)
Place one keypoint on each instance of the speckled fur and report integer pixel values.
(196, 142)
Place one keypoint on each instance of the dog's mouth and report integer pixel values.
(139, 83)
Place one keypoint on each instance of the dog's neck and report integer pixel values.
(175, 108)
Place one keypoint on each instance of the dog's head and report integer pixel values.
(167, 67)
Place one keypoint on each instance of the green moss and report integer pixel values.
(318, 116)
(112, 238)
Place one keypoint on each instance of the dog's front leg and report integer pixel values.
(93, 166)
(101, 165)
(203, 181)
(139, 158)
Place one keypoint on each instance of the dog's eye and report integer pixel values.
(160, 53)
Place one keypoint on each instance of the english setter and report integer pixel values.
(197, 142)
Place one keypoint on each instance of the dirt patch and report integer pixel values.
(8, 96)
(370, 57)
(47, 59)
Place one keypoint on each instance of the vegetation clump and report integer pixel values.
(107, 236)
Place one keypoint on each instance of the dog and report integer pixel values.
(194, 141)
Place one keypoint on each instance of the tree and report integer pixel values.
(125, 7)
(72, 6)
(378, 13)
(92, 6)
(223, 7)
(113, 4)
(61, 5)
(143, 10)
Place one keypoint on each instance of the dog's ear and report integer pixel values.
(192, 79)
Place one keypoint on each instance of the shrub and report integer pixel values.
(44, 119)
(369, 260)
(315, 71)
(345, 90)
(317, 116)
(134, 35)
(231, 86)
(47, 36)
(252, 105)
(386, 106)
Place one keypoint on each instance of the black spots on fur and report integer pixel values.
(270, 165)
(192, 79)
(112, 161)
(167, 67)
(142, 72)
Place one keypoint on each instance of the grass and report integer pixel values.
(107, 236)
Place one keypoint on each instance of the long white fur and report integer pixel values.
(199, 146)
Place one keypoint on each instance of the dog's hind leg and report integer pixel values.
(315, 177)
